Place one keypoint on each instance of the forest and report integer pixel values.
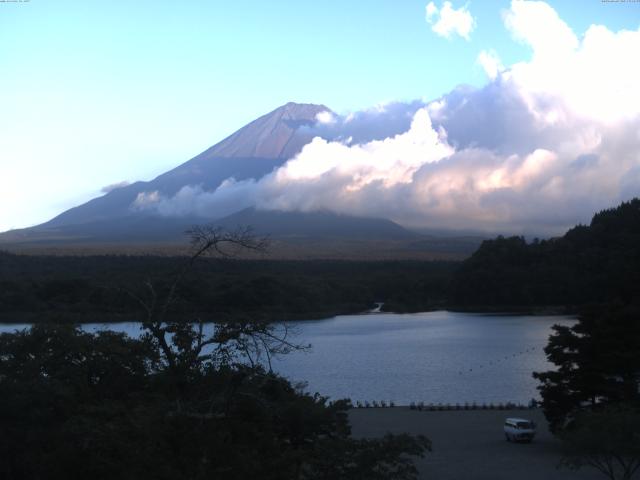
(37, 288)
(592, 263)
(595, 263)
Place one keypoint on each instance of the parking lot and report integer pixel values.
(470, 445)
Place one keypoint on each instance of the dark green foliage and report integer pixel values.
(74, 288)
(67, 397)
(606, 439)
(598, 363)
(368, 460)
(592, 399)
(589, 264)
(75, 405)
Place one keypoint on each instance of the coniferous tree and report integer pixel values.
(597, 360)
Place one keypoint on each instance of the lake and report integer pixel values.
(431, 357)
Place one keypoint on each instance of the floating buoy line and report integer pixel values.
(499, 361)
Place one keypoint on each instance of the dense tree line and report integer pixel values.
(38, 288)
(589, 264)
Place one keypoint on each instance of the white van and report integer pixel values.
(519, 430)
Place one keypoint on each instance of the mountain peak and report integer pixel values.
(274, 135)
(251, 152)
(301, 111)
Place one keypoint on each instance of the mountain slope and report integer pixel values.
(274, 135)
(251, 152)
(132, 229)
(157, 229)
(322, 224)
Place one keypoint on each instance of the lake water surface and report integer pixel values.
(431, 357)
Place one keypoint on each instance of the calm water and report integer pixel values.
(432, 357)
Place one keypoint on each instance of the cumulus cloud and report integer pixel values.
(448, 21)
(490, 63)
(114, 186)
(538, 25)
(145, 200)
(193, 200)
(595, 77)
(326, 118)
(542, 146)
(376, 123)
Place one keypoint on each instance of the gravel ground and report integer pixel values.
(470, 445)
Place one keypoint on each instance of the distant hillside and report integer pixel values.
(152, 229)
(132, 229)
(595, 263)
(294, 236)
(322, 224)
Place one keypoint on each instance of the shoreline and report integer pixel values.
(9, 318)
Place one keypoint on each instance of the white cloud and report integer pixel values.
(146, 200)
(229, 197)
(326, 117)
(448, 21)
(376, 123)
(388, 162)
(541, 147)
(432, 10)
(490, 63)
(114, 186)
(596, 77)
(537, 24)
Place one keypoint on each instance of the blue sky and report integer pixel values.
(93, 93)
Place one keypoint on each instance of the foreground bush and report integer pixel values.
(77, 405)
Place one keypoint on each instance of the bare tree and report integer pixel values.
(186, 344)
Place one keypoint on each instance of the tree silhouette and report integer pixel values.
(181, 402)
(597, 360)
(592, 399)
